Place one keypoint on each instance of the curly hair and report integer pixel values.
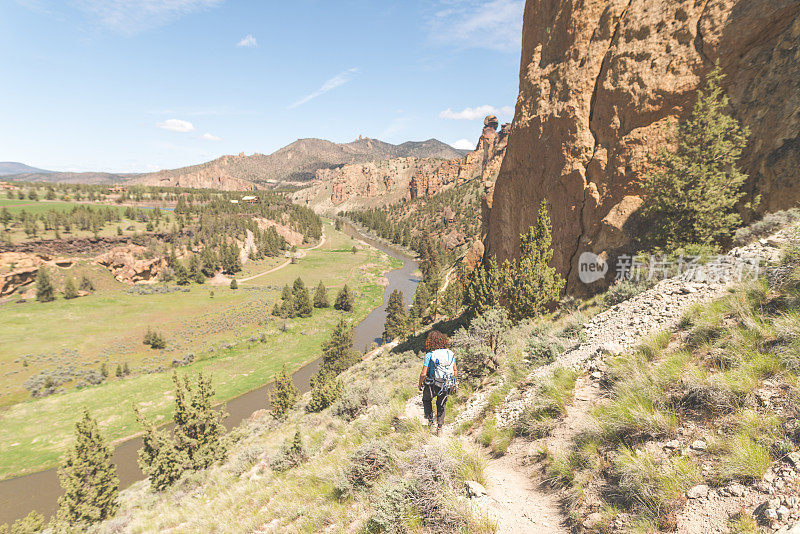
(436, 340)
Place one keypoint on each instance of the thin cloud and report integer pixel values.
(248, 41)
(471, 114)
(496, 25)
(337, 81)
(134, 16)
(176, 125)
(210, 137)
(463, 144)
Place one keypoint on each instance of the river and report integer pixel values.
(40, 491)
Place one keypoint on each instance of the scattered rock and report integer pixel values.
(698, 492)
(794, 459)
(474, 489)
(699, 445)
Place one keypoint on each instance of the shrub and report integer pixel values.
(234, 284)
(479, 345)
(30, 524)
(622, 290)
(352, 402)
(367, 464)
(769, 224)
(291, 454)
(70, 292)
(324, 392)
(745, 460)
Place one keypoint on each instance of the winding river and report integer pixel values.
(40, 491)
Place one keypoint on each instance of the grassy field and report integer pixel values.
(231, 335)
(17, 234)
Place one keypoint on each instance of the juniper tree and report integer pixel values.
(692, 191)
(86, 284)
(301, 301)
(88, 477)
(70, 292)
(337, 351)
(396, 318)
(198, 427)
(529, 283)
(158, 458)
(324, 391)
(283, 395)
(234, 284)
(422, 300)
(44, 287)
(321, 296)
(483, 288)
(344, 299)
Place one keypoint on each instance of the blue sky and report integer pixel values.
(140, 85)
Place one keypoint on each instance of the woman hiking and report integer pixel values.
(438, 377)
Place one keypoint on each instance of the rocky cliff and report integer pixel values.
(599, 81)
(376, 184)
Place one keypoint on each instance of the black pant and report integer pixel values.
(429, 391)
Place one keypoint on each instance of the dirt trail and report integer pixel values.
(518, 499)
(300, 254)
(247, 248)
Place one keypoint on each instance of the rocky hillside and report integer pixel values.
(599, 82)
(380, 184)
(292, 164)
(13, 167)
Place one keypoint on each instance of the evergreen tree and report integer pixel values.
(70, 292)
(344, 300)
(422, 299)
(234, 284)
(198, 428)
(86, 284)
(118, 373)
(286, 294)
(31, 523)
(453, 297)
(530, 284)
(182, 276)
(324, 391)
(88, 477)
(395, 316)
(301, 300)
(321, 296)
(692, 192)
(44, 287)
(483, 288)
(283, 395)
(337, 351)
(158, 458)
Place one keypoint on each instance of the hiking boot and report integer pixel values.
(438, 430)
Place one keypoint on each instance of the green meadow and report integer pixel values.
(231, 334)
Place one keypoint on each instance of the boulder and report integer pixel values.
(474, 489)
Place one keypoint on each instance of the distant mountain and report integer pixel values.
(95, 178)
(13, 167)
(293, 164)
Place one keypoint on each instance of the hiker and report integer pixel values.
(438, 376)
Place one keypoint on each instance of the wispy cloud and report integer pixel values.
(133, 16)
(471, 114)
(176, 125)
(248, 41)
(210, 137)
(340, 79)
(496, 25)
(463, 144)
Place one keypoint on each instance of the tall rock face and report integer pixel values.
(599, 82)
(381, 183)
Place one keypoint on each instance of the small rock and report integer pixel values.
(592, 520)
(699, 445)
(672, 444)
(794, 459)
(783, 513)
(597, 375)
(474, 489)
(737, 490)
(698, 492)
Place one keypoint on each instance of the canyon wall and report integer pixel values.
(599, 82)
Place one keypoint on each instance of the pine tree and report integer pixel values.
(344, 300)
(283, 395)
(337, 351)
(234, 284)
(70, 292)
(692, 191)
(530, 284)
(422, 299)
(483, 288)
(321, 296)
(158, 458)
(301, 301)
(182, 276)
(88, 477)
(395, 316)
(31, 523)
(198, 427)
(44, 287)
